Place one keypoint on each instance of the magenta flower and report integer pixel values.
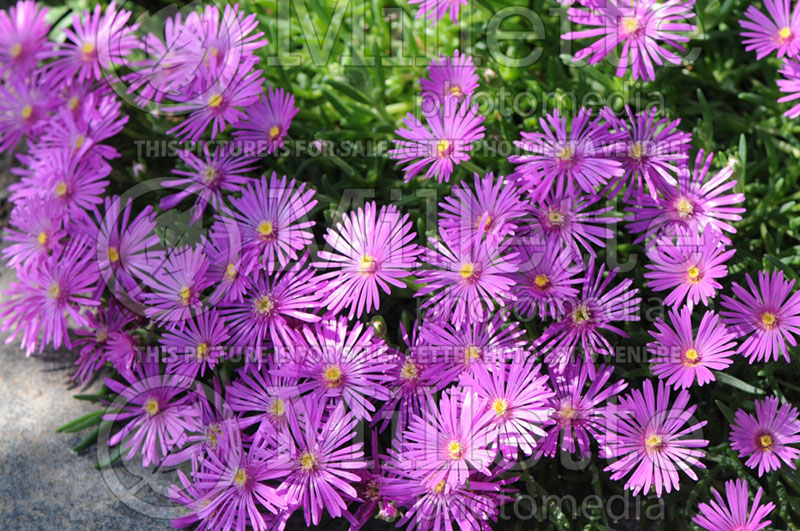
(371, 250)
(321, 464)
(580, 414)
(24, 106)
(270, 216)
(467, 281)
(791, 85)
(435, 10)
(94, 43)
(47, 296)
(641, 27)
(36, 230)
(223, 248)
(341, 364)
(23, 36)
(564, 159)
(778, 31)
(517, 397)
(690, 207)
(680, 357)
(767, 316)
(597, 308)
(156, 410)
(546, 273)
(450, 78)
(764, 439)
(651, 440)
(447, 441)
(734, 513)
(177, 283)
(224, 170)
(262, 398)
(653, 150)
(198, 347)
(444, 143)
(93, 339)
(266, 122)
(493, 207)
(689, 267)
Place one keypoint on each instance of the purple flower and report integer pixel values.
(270, 219)
(764, 439)
(24, 105)
(517, 397)
(321, 462)
(223, 248)
(435, 10)
(563, 160)
(450, 78)
(651, 440)
(46, 296)
(93, 339)
(177, 285)
(640, 27)
(266, 122)
(733, 513)
(198, 346)
(778, 31)
(468, 279)
(23, 36)
(580, 414)
(689, 267)
(767, 316)
(791, 85)
(444, 143)
(36, 230)
(371, 251)
(262, 398)
(596, 309)
(155, 409)
(680, 357)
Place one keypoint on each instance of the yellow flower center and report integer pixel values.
(454, 450)
(472, 353)
(630, 24)
(691, 358)
(186, 295)
(684, 207)
(274, 132)
(210, 174)
(455, 90)
(277, 407)
(564, 154)
(61, 189)
(240, 477)
(541, 281)
(409, 371)
(308, 461)
(332, 376)
(654, 442)
(467, 271)
(42, 239)
(785, 33)
(113, 255)
(215, 101)
(367, 265)
(765, 442)
(567, 412)
(230, 272)
(694, 274)
(102, 335)
(637, 151)
(443, 148)
(16, 50)
(211, 435)
(73, 102)
(264, 305)
(769, 320)
(266, 229)
(27, 111)
(87, 49)
(500, 406)
(581, 314)
(555, 217)
(202, 351)
(439, 487)
(151, 406)
(79, 141)
(54, 291)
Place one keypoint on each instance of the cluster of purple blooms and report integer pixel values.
(466, 394)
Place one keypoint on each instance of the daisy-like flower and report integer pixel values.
(546, 272)
(35, 231)
(200, 345)
(220, 105)
(734, 512)
(689, 267)
(322, 460)
(565, 159)
(224, 250)
(93, 339)
(641, 27)
(435, 10)
(23, 36)
(95, 42)
(764, 439)
(695, 204)
(441, 145)
(597, 308)
(24, 105)
(266, 122)
(468, 278)
(493, 205)
(777, 31)
(371, 250)
(177, 285)
(580, 414)
(517, 397)
(224, 170)
(450, 78)
(767, 316)
(262, 398)
(46, 297)
(790, 84)
(272, 304)
(680, 356)
(652, 151)
(564, 218)
(73, 185)
(651, 440)
(270, 217)
(155, 408)
(342, 365)
(447, 440)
